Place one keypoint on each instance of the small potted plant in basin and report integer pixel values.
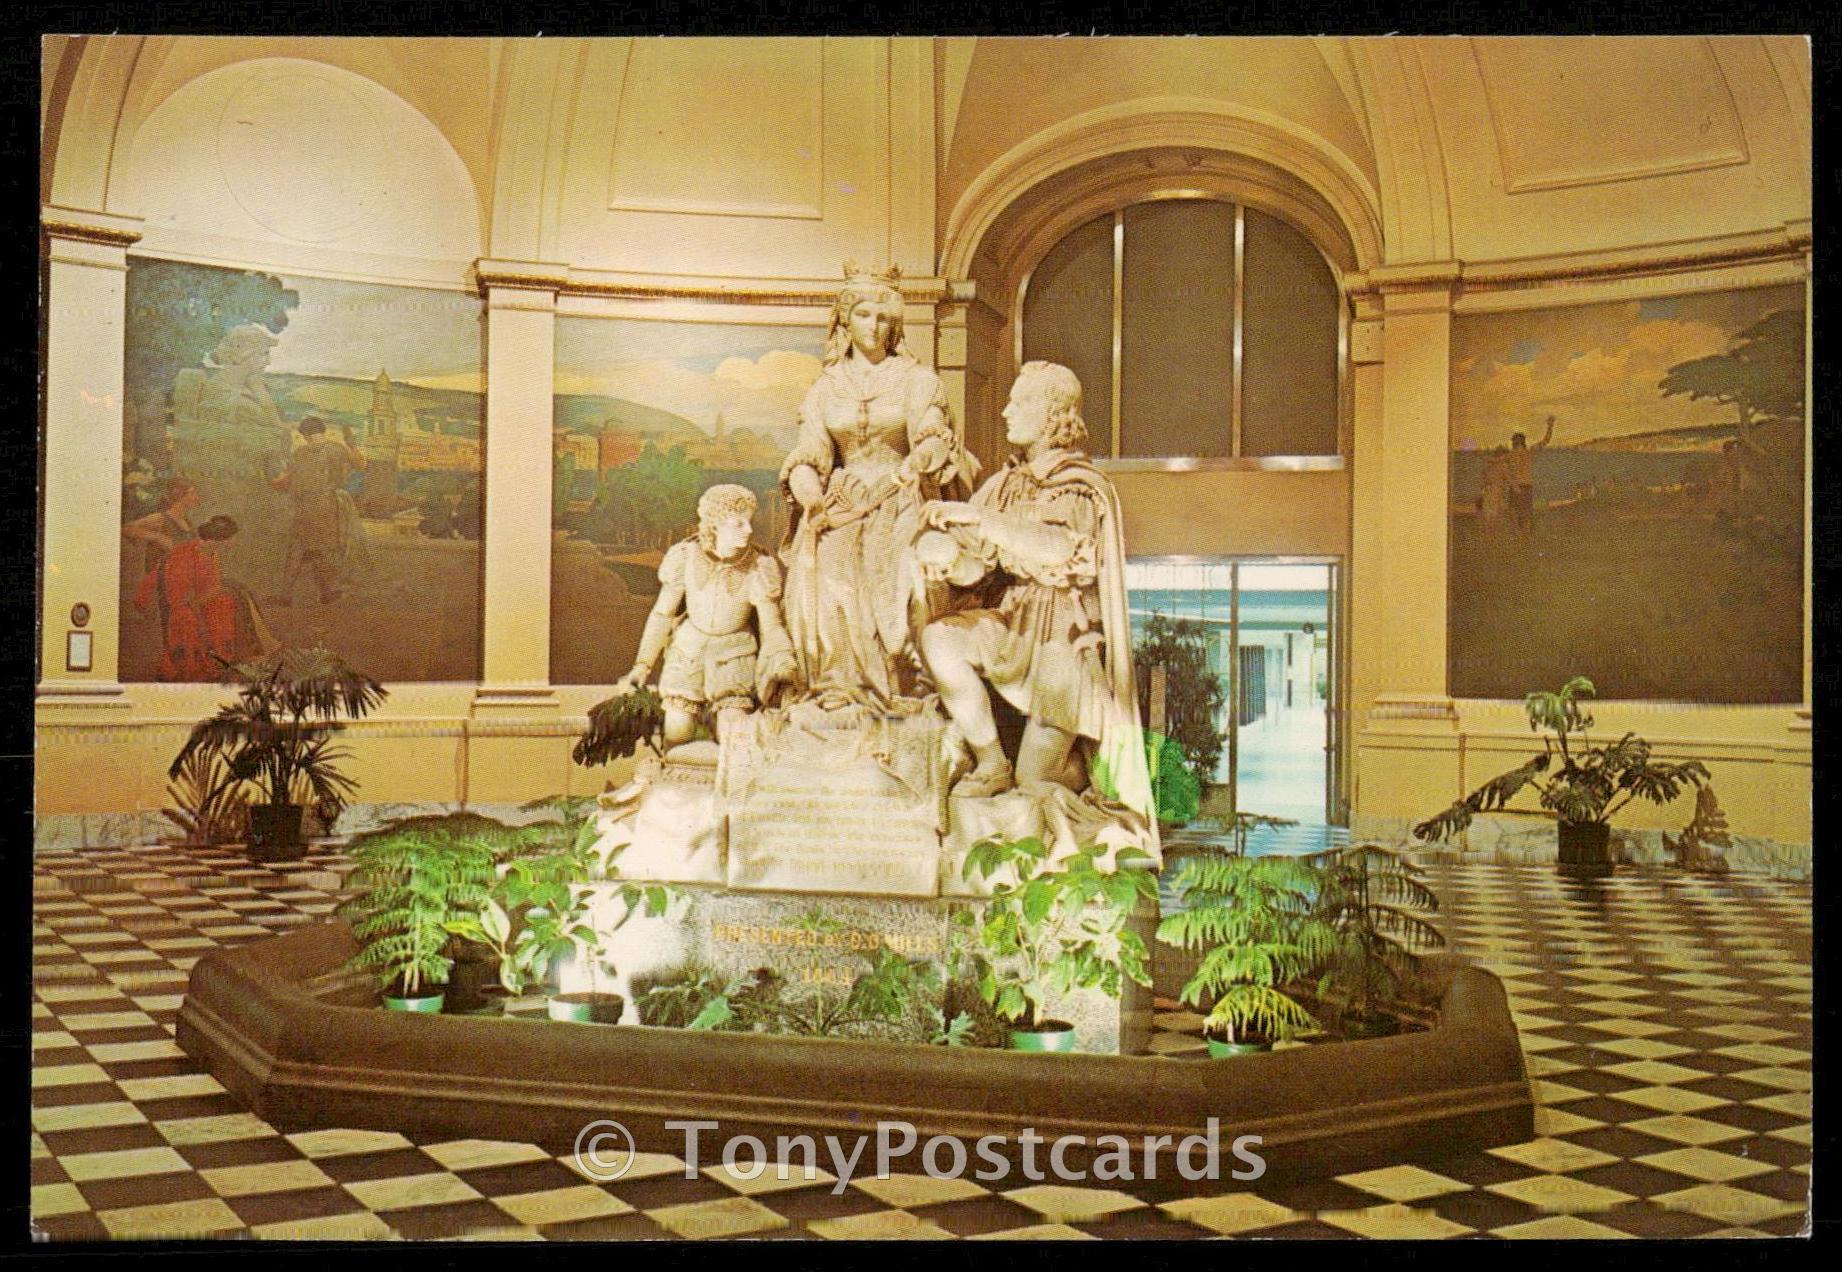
(408, 883)
(542, 911)
(1582, 783)
(1374, 903)
(1256, 919)
(1054, 929)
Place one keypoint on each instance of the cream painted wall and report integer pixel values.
(1283, 78)
(1235, 513)
(611, 172)
(810, 151)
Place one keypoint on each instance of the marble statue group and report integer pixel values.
(869, 670)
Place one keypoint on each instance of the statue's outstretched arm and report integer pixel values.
(659, 624)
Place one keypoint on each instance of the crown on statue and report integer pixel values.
(857, 276)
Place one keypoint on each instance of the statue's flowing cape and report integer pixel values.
(1120, 766)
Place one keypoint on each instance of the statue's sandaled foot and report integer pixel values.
(991, 777)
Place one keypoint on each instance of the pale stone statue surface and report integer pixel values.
(717, 620)
(875, 443)
(1052, 634)
(901, 609)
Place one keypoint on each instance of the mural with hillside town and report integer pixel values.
(647, 416)
(301, 466)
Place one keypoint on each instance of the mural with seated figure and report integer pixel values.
(302, 467)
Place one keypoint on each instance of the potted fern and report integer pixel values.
(1257, 920)
(277, 738)
(408, 882)
(1373, 902)
(1582, 783)
(1055, 928)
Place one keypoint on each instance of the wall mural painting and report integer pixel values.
(648, 416)
(302, 466)
(1628, 499)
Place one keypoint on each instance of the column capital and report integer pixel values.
(525, 276)
(79, 225)
(1408, 278)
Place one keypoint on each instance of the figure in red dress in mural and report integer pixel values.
(207, 621)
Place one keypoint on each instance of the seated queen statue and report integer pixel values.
(1038, 557)
(875, 443)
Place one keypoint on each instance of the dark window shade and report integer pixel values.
(1068, 318)
(1288, 343)
(1177, 330)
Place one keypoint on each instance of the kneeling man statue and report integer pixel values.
(1039, 560)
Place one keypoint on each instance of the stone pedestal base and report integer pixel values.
(819, 945)
(850, 806)
(664, 826)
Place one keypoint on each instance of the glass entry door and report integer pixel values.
(1267, 631)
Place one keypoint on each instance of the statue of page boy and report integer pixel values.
(728, 648)
(1042, 539)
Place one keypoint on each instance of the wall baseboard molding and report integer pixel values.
(1532, 841)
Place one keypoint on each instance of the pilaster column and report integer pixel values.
(520, 379)
(950, 355)
(1405, 465)
(1404, 724)
(1367, 647)
(85, 302)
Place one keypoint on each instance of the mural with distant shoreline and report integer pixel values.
(648, 415)
(1627, 488)
(302, 466)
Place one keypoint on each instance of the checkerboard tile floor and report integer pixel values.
(1665, 1019)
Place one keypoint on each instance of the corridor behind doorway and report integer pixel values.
(1268, 627)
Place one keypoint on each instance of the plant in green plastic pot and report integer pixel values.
(408, 882)
(1374, 901)
(1255, 918)
(1052, 928)
(542, 912)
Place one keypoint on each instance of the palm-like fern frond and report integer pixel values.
(618, 725)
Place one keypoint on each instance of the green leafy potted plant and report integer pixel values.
(277, 737)
(1183, 763)
(541, 911)
(1581, 783)
(408, 883)
(474, 969)
(1256, 919)
(1372, 901)
(1053, 928)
